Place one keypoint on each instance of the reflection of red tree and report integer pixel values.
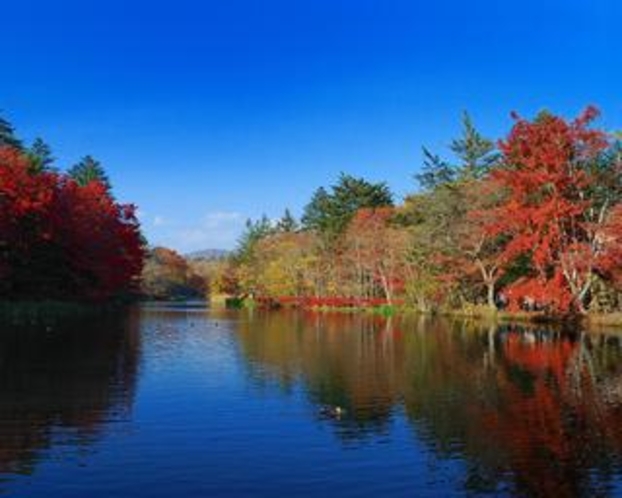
(528, 409)
(541, 419)
(542, 358)
(61, 403)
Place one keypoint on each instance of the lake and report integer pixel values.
(169, 401)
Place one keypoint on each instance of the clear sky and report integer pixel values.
(205, 113)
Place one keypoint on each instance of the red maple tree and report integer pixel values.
(62, 240)
(550, 213)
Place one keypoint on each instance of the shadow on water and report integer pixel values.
(530, 411)
(63, 380)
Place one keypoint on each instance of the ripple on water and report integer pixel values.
(175, 401)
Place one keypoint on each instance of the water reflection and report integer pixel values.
(61, 384)
(530, 411)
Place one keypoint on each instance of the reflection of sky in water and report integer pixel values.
(184, 402)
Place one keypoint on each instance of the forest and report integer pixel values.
(532, 222)
(63, 235)
(528, 222)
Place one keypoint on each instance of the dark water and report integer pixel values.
(173, 401)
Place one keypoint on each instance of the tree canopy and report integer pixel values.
(62, 236)
(89, 170)
(532, 221)
(330, 212)
(7, 135)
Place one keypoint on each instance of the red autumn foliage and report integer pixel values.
(610, 237)
(547, 211)
(62, 240)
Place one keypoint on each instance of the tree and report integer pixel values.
(436, 171)
(7, 135)
(40, 155)
(245, 258)
(609, 263)
(458, 249)
(28, 256)
(167, 275)
(476, 153)
(62, 240)
(330, 213)
(254, 231)
(287, 223)
(284, 264)
(435, 220)
(89, 170)
(100, 239)
(554, 208)
(376, 252)
(318, 212)
(477, 248)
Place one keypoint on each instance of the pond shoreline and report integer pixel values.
(34, 311)
(481, 313)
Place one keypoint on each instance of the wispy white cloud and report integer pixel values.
(215, 230)
(219, 219)
(158, 221)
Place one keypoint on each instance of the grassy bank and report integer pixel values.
(469, 312)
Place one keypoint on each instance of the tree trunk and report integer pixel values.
(386, 288)
(488, 275)
(490, 285)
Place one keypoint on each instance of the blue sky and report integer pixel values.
(205, 113)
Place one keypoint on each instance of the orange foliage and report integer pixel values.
(546, 211)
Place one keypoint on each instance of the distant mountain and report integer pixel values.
(208, 254)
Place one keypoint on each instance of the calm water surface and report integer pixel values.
(176, 401)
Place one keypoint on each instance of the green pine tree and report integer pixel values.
(254, 231)
(7, 135)
(40, 155)
(476, 153)
(330, 213)
(436, 171)
(287, 223)
(87, 171)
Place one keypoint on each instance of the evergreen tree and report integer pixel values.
(287, 223)
(40, 155)
(317, 212)
(436, 171)
(7, 135)
(330, 213)
(254, 231)
(476, 153)
(89, 170)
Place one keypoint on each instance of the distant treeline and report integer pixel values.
(62, 233)
(532, 221)
(168, 275)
